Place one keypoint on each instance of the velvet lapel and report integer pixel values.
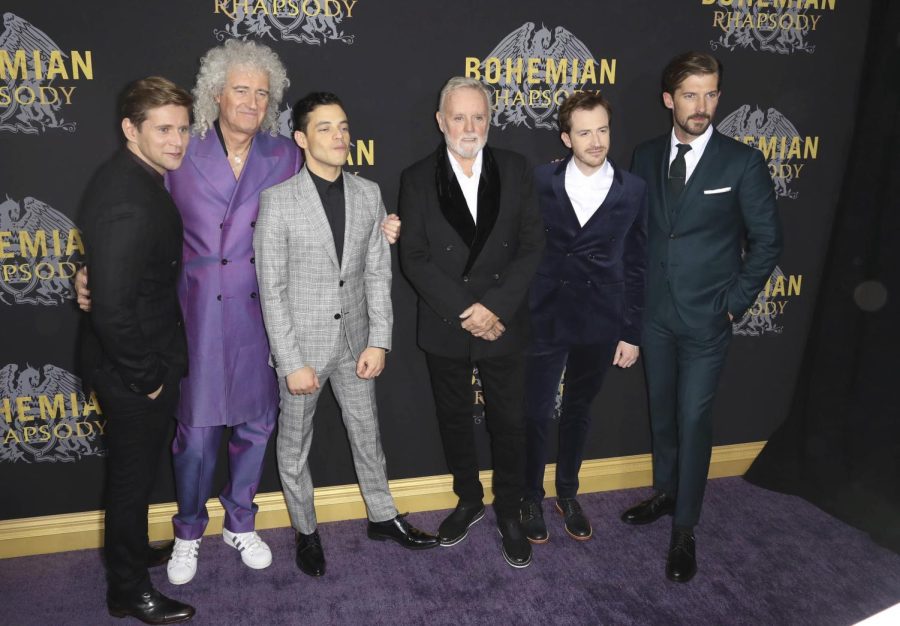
(488, 205)
(311, 207)
(562, 198)
(451, 199)
(612, 197)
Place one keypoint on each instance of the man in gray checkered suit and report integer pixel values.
(324, 272)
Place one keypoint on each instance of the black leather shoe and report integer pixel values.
(649, 510)
(310, 556)
(159, 555)
(578, 526)
(533, 522)
(515, 545)
(401, 531)
(682, 562)
(456, 525)
(150, 607)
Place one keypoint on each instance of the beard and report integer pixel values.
(466, 150)
(695, 125)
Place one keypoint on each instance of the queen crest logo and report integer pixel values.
(478, 397)
(764, 315)
(776, 26)
(45, 416)
(532, 71)
(33, 77)
(785, 150)
(40, 249)
(311, 22)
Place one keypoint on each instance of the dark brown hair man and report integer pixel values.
(133, 237)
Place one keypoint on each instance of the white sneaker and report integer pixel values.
(254, 551)
(183, 564)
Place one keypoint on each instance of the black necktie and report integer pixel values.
(677, 174)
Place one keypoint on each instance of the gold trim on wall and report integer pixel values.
(78, 531)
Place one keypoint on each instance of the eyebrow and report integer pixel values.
(326, 122)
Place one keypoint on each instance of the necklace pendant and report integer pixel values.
(237, 160)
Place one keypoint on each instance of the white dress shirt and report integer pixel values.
(587, 193)
(469, 184)
(692, 156)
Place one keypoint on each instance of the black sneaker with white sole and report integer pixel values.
(456, 525)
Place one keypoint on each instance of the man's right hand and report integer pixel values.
(155, 394)
(81, 289)
(303, 381)
(493, 334)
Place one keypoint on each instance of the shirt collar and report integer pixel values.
(457, 168)
(604, 172)
(156, 176)
(324, 185)
(698, 145)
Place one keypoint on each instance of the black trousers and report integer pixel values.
(585, 367)
(682, 365)
(136, 428)
(502, 380)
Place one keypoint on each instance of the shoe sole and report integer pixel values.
(538, 542)
(509, 561)
(402, 544)
(121, 614)
(474, 521)
(570, 533)
(181, 582)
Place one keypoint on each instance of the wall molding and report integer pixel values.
(78, 531)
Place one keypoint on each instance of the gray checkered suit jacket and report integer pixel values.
(306, 297)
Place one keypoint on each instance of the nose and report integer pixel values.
(469, 125)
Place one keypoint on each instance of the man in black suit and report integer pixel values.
(472, 240)
(586, 300)
(133, 237)
(708, 193)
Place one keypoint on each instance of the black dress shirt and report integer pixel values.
(331, 193)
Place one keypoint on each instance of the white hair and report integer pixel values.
(462, 82)
(214, 68)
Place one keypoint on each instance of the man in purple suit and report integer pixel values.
(235, 154)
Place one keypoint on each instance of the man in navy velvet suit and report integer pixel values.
(586, 300)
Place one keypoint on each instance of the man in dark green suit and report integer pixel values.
(713, 240)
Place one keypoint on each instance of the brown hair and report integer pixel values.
(689, 64)
(580, 100)
(150, 93)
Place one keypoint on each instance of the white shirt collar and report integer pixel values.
(692, 156)
(457, 168)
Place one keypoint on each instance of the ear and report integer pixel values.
(566, 139)
(129, 130)
(300, 139)
(668, 101)
(440, 121)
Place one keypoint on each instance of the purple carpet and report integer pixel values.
(763, 558)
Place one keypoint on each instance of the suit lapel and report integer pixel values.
(211, 163)
(353, 220)
(311, 207)
(558, 182)
(612, 197)
(451, 200)
(488, 205)
(255, 173)
(695, 183)
(662, 167)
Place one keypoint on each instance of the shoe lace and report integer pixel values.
(530, 511)
(185, 550)
(682, 541)
(249, 541)
(571, 507)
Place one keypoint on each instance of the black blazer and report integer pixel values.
(695, 248)
(435, 254)
(589, 287)
(133, 237)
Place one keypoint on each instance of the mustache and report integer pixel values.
(699, 116)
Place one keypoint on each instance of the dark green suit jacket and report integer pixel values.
(716, 248)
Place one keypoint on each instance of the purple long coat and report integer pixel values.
(229, 379)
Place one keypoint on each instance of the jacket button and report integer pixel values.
(465, 279)
(612, 238)
(337, 316)
(505, 244)
(565, 282)
(253, 260)
(252, 224)
(224, 261)
(496, 276)
(568, 254)
(587, 282)
(134, 388)
(219, 297)
(449, 248)
(253, 295)
(340, 283)
(221, 225)
(671, 235)
(174, 263)
(547, 229)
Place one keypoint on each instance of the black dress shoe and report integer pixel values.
(150, 607)
(578, 526)
(401, 531)
(456, 525)
(682, 562)
(533, 522)
(310, 556)
(159, 555)
(650, 510)
(515, 545)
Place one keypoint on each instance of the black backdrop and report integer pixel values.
(793, 85)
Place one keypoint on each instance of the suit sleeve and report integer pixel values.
(756, 198)
(506, 298)
(443, 293)
(119, 255)
(635, 259)
(271, 249)
(378, 282)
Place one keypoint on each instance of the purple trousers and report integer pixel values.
(194, 453)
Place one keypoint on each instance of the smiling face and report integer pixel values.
(464, 120)
(243, 101)
(693, 105)
(588, 138)
(325, 140)
(161, 139)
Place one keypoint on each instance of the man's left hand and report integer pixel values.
(626, 354)
(370, 363)
(478, 319)
(390, 226)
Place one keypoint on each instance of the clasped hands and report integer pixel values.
(481, 322)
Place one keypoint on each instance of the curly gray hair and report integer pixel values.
(214, 68)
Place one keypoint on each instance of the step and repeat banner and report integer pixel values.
(792, 69)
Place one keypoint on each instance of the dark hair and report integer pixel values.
(151, 93)
(583, 101)
(306, 104)
(689, 64)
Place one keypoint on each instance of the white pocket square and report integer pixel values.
(709, 192)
